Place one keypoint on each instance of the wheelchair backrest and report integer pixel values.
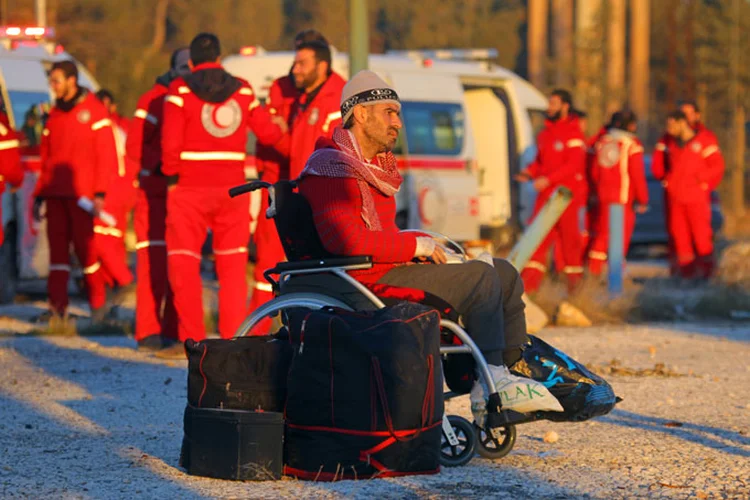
(295, 225)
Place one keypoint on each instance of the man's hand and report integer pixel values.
(37, 209)
(281, 123)
(438, 256)
(98, 205)
(541, 183)
(523, 176)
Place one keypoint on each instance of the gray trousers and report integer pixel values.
(488, 299)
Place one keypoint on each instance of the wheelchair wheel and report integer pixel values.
(490, 447)
(288, 301)
(460, 454)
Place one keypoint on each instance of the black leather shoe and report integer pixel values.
(152, 343)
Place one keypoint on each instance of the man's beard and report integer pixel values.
(307, 81)
(554, 117)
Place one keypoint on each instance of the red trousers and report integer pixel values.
(154, 311)
(269, 252)
(691, 236)
(568, 231)
(67, 223)
(110, 241)
(600, 245)
(190, 212)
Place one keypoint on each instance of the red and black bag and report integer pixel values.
(364, 396)
(244, 373)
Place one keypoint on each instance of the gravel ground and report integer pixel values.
(93, 418)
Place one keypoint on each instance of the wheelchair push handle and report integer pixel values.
(249, 187)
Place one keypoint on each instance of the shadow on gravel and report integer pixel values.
(719, 439)
(112, 428)
(135, 406)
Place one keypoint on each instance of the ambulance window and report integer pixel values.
(433, 128)
(537, 117)
(30, 112)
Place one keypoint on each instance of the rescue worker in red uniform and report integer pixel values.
(108, 99)
(560, 160)
(692, 168)
(155, 315)
(309, 100)
(203, 143)
(110, 240)
(10, 162)
(77, 154)
(693, 116)
(618, 177)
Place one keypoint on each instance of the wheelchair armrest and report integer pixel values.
(345, 263)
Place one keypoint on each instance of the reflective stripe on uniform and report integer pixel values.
(536, 265)
(183, 89)
(150, 243)
(231, 252)
(211, 155)
(92, 268)
(597, 255)
(636, 149)
(45, 132)
(660, 146)
(253, 105)
(709, 151)
(177, 101)
(576, 143)
(572, 270)
(145, 115)
(329, 119)
(59, 267)
(184, 252)
(3, 129)
(246, 91)
(13, 143)
(263, 287)
(108, 231)
(104, 122)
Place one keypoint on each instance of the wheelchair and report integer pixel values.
(313, 278)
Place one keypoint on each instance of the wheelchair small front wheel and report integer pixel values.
(495, 446)
(462, 450)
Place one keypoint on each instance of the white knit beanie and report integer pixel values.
(365, 88)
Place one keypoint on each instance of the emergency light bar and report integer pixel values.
(449, 54)
(18, 32)
(252, 50)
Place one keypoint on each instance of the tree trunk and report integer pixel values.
(589, 59)
(562, 37)
(615, 55)
(671, 29)
(160, 34)
(537, 41)
(640, 43)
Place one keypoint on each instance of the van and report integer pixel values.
(468, 128)
(26, 55)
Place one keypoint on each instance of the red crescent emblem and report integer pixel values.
(214, 118)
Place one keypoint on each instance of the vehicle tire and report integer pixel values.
(8, 266)
(489, 447)
(456, 456)
(503, 237)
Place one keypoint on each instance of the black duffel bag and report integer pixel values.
(244, 373)
(364, 393)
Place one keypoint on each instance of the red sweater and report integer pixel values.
(337, 206)
(78, 151)
(143, 145)
(617, 170)
(561, 156)
(691, 170)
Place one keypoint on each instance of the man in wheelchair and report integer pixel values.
(350, 182)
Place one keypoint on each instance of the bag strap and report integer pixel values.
(428, 406)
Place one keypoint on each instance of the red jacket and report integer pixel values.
(143, 146)
(561, 156)
(689, 171)
(617, 170)
(205, 119)
(312, 116)
(271, 161)
(78, 151)
(10, 156)
(337, 206)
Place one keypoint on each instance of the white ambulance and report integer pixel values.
(469, 125)
(26, 54)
